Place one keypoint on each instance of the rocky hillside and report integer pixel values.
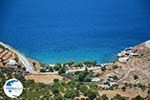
(139, 67)
(129, 77)
(136, 69)
(8, 58)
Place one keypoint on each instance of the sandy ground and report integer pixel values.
(43, 78)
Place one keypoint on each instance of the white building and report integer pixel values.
(12, 62)
(96, 79)
(123, 59)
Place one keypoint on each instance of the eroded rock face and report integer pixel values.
(6, 56)
(35, 64)
(142, 48)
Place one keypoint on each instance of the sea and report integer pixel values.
(54, 31)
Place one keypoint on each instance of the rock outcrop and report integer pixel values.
(8, 57)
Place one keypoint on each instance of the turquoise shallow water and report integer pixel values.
(58, 31)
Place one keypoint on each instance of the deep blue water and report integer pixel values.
(61, 30)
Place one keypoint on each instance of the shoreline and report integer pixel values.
(115, 58)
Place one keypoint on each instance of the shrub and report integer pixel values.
(70, 63)
(19, 77)
(62, 71)
(84, 89)
(114, 77)
(138, 98)
(93, 86)
(55, 90)
(135, 77)
(77, 85)
(142, 86)
(57, 66)
(103, 68)
(123, 88)
(58, 97)
(69, 94)
(81, 76)
(114, 66)
(104, 97)
(90, 63)
(78, 65)
(56, 80)
(77, 93)
(84, 76)
(92, 94)
(119, 97)
(97, 75)
(83, 98)
(42, 70)
(50, 69)
(71, 84)
(87, 79)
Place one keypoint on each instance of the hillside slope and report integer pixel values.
(10, 57)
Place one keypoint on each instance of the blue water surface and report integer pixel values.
(61, 30)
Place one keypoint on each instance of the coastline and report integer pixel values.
(110, 78)
(46, 60)
(81, 55)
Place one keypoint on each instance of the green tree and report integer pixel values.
(57, 66)
(78, 65)
(84, 89)
(92, 94)
(71, 84)
(58, 96)
(87, 79)
(50, 69)
(19, 77)
(142, 86)
(138, 98)
(123, 88)
(77, 93)
(77, 85)
(104, 97)
(119, 97)
(70, 63)
(62, 71)
(90, 63)
(42, 70)
(56, 80)
(135, 77)
(93, 86)
(81, 76)
(55, 90)
(69, 94)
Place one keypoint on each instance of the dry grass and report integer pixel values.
(43, 78)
